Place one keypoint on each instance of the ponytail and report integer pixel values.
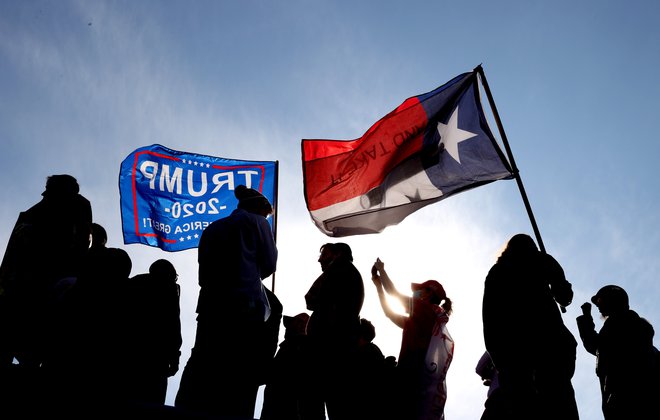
(446, 305)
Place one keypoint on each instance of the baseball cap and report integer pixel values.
(432, 285)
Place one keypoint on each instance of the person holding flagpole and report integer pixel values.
(225, 368)
(524, 333)
(427, 348)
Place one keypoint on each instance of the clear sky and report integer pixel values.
(84, 83)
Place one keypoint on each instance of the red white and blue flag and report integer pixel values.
(169, 197)
(430, 147)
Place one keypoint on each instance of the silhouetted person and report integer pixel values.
(270, 337)
(89, 358)
(99, 237)
(335, 299)
(47, 244)
(155, 333)
(427, 349)
(374, 379)
(284, 385)
(370, 357)
(624, 356)
(235, 254)
(97, 243)
(531, 348)
(493, 409)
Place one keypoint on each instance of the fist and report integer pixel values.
(377, 267)
(586, 308)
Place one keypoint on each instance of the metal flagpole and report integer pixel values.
(275, 199)
(516, 173)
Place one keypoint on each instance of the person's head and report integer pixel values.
(295, 325)
(327, 255)
(331, 252)
(343, 250)
(163, 269)
(611, 299)
(61, 186)
(252, 201)
(99, 236)
(367, 330)
(432, 291)
(118, 263)
(520, 244)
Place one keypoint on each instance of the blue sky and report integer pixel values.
(84, 83)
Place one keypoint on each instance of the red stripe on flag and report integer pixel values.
(336, 171)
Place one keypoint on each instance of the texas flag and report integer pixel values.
(430, 147)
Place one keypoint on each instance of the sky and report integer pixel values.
(85, 83)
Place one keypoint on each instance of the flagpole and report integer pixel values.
(275, 199)
(516, 173)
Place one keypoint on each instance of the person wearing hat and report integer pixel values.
(427, 348)
(625, 355)
(235, 254)
(524, 333)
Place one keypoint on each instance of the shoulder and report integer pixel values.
(82, 201)
(549, 263)
(345, 269)
(242, 217)
(643, 325)
(496, 271)
(216, 224)
(139, 278)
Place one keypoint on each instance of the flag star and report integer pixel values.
(196, 236)
(196, 163)
(208, 165)
(181, 239)
(189, 237)
(451, 135)
(414, 197)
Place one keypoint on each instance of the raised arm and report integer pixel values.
(384, 284)
(587, 329)
(379, 270)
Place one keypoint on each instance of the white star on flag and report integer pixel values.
(451, 135)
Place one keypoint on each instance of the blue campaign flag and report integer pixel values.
(168, 197)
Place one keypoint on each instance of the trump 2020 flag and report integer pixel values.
(168, 197)
(432, 146)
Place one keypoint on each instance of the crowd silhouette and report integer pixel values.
(82, 338)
